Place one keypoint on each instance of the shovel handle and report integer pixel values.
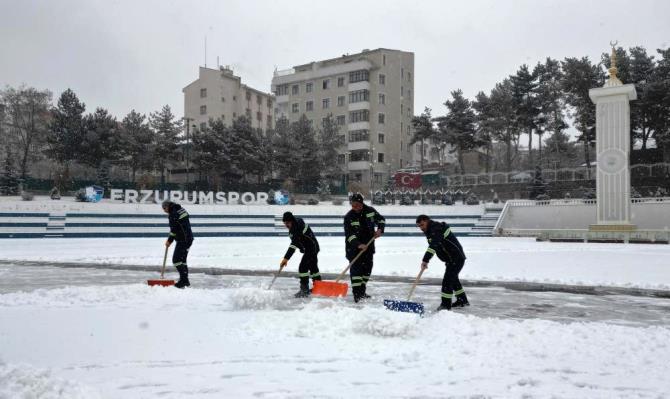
(341, 276)
(164, 260)
(411, 291)
(276, 275)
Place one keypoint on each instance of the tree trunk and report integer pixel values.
(422, 155)
(587, 157)
(508, 156)
(461, 163)
(530, 149)
(539, 139)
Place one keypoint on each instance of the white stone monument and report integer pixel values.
(613, 150)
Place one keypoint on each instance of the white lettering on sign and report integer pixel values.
(189, 197)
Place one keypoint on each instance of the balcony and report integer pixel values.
(358, 126)
(359, 165)
(359, 105)
(363, 85)
(358, 145)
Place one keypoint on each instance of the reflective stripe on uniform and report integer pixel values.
(173, 235)
(179, 263)
(355, 223)
(293, 246)
(446, 233)
(459, 292)
(183, 215)
(356, 284)
(366, 278)
(316, 275)
(353, 278)
(370, 215)
(351, 238)
(381, 222)
(305, 229)
(447, 296)
(303, 274)
(431, 251)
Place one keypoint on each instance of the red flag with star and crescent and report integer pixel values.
(408, 180)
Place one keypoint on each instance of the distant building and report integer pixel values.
(371, 97)
(218, 93)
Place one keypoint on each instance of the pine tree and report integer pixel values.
(65, 132)
(286, 162)
(579, 76)
(659, 97)
(137, 140)
(307, 151)
(101, 142)
(549, 100)
(167, 130)
(329, 142)
(424, 130)
(524, 85)
(458, 126)
(504, 128)
(9, 183)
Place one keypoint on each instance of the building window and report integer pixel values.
(295, 108)
(203, 126)
(223, 117)
(382, 79)
(409, 76)
(380, 118)
(340, 101)
(308, 87)
(223, 99)
(325, 103)
(269, 121)
(282, 90)
(342, 139)
(295, 89)
(359, 76)
(378, 178)
(203, 110)
(248, 113)
(402, 91)
(309, 106)
(409, 94)
(248, 96)
(402, 73)
(359, 96)
(380, 138)
(234, 115)
(380, 157)
(359, 135)
(340, 81)
(234, 98)
(323, 121)
(383, 59)
(408, 132)
(269, 103)
(340, 159)
(359, 155)
(341, 120)
(203, 93)
(259, 99)
(382, 98)
(409, 111)
(326, 84)
(259, 116)
(401, 108)
(362, 115)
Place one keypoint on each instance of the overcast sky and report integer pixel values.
(125, 55)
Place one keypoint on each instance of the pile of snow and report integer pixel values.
(251, 298)
(25, 382)
(384, 323)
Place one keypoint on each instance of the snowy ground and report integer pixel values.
(501, 259)
(78, 333)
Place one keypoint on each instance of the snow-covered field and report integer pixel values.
(234, 339)
(502, 259)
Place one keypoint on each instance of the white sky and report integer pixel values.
(125, 55)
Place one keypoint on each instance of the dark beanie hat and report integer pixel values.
(287, 217)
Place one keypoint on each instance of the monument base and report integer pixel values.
(613, 227)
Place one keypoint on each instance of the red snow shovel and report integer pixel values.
(406, 306)
(337, 289)
(162, 281)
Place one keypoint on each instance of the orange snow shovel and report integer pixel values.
(337, 289)
(162, 281)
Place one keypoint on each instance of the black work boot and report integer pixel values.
(461, 301)
(358, 293)
(363, 294)
(445, 305)
(183, 277)
(304, 290)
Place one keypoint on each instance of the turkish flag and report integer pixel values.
(408, 180)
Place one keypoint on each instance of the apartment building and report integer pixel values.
(218, 93)
(371, 96)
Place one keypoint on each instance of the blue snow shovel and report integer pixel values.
(406, 306)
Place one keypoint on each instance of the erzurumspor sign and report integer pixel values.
(187, 197)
